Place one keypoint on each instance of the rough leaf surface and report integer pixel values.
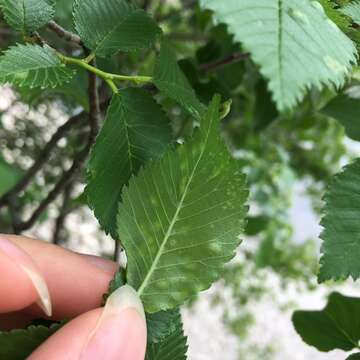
(109, 26)
(293, 41)
(33, 66)
(171, 81)
(161, 324)
(135, 131)
(19, 344)
(337, 326)
(181, 218)
(28, 15)
(172, 347)
(341, 235)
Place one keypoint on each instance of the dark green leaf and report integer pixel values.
(341, 235)
(161, 324)
(354, 357)
(28, 15)
(171, 81)
(347, 111)
(19, 344)
(9, 176)
(181, 218)
(109, 26)
(173, 347)
(118, 280)
(135, 131)
(337, 326)
(33, 66)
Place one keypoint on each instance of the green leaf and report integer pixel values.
(181, 218)
(341, 235)
(354, 357)
(33, 66)
(337, 326)
(109, 26)
(19, 344)
(28, 15)
(161, 324)
(353, 11)
(346, 110)
(170, 80)
(118, 280)
(173, 347)
(293, 41)
(135, 131)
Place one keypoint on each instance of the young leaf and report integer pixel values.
(293, 41)
(28, 15)
(346, 110)
(353, 11)
(181, 218)
(33, 66)
(135, 131)
(341, 234)
(171, 81)
(109, 26)
(19, 344)
(172, 347)
(337, 326)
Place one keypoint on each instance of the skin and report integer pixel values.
(76, 284)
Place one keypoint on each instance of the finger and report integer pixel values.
(17, 267)
(76, 283)
(116, 332)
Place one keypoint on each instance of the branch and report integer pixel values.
(41, 159)
(64, 34)
(231, 59)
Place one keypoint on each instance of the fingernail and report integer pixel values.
(121, 329)
(24, 261)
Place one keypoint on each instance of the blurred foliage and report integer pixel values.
(277, 151)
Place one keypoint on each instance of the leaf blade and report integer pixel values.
(292, 63)
(154, 223)
(135, 131)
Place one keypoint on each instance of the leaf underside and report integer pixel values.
(19, 344)
(109, 26)
(33, 66)
(181, 218)
(293, 41)
(337, 326)
(28, 15)
(171, 81)
(172, 347)
(135, 131)
(341, 235)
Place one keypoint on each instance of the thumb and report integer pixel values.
(117, 331)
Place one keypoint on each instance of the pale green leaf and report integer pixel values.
(161, 324)
(19, 344)
(346, 110)
(172, 347)
(33, 66)
(181, 218)
(341, 235)
(28, 15)
(353, 11)
(109, 26)
(337, 326)
(135, 131)
(171, 81)
(293, 41)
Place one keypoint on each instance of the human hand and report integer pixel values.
(38, 278)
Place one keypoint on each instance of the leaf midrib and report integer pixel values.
(174, 219)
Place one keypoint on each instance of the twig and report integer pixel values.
(63, 213)
(41, 159)
(231, 59)
(64, 34)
